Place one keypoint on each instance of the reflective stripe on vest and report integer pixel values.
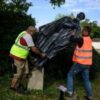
(83, 55)
(17, 41)
(19, 50)
(83, 50)
(80, 57)
(24, 47)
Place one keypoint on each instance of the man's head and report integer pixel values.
(31, 30)
(86, 31)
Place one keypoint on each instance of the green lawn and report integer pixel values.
(50, 90)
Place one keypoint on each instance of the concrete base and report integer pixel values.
(36, 80)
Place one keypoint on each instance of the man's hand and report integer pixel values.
(36, 51)
(73, 33)
(43, 55)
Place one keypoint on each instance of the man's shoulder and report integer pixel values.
(27, 36)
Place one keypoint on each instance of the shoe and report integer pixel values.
(27, 92)
(69, 95)
(12, 88)
(23, 90)
(88, 98)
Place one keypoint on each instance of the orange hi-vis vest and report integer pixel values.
(83, 55)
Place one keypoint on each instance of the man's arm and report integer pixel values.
(78, 40)
(36, 51)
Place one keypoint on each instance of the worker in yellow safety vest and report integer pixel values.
(19, 52)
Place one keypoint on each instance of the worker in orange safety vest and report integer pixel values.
(82, 59)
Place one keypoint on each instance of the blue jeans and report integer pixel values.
(76, 68)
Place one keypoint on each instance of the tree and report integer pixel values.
(63, 15)
(95, 28)
(57, 2)
(94, 24)
(59, 16)
(3, 5)
(19, 5)
(85, 22)
(13, 20)
(15, 5)
(71, 15)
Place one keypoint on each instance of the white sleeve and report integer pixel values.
(29, 40)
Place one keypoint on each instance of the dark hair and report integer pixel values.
(87, 28)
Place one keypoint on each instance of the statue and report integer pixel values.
(55, 36)
(51, 39)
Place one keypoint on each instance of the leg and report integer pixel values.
(19, 66)
(23, 78)
(74, 70)
(85, 75)
(13, 83)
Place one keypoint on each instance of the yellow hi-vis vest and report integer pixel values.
(19, 50)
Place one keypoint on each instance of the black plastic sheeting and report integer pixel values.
(54, 37)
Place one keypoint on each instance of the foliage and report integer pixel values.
(14, 5)
(18, 5)
(59, 16)
(57, 2)
(11, 24)
(50, 91)
(13, 20)
(63, 15)
(94, 26)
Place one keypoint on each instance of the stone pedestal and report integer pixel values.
(36, 79)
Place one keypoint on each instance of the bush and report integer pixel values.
(12, 23)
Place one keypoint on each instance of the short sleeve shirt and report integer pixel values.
(29, 40)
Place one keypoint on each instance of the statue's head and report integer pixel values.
(80, 16)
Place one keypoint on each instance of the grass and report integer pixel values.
(50, 91)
